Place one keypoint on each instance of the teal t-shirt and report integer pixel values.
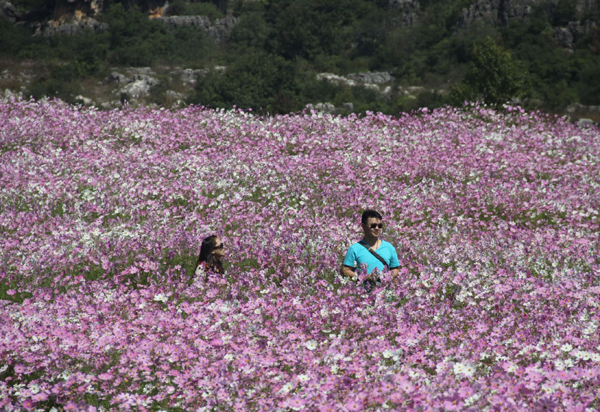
(357, 254)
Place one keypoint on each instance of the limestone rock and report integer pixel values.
(189, 76)
(9, 12)
(502, 12)
(70, 29)
(577, 107)
(117, 77)
(86, 101)
(335, 79)
(371, 77)
(568, 36)
(137, 88)
(174, 96)
(11, 95)
(322, 107)
(409, 8)
(585, 122)
(217, 31)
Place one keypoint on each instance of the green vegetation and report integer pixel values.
(277, 47)
(494, 76)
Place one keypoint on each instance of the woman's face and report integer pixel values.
(218, 251)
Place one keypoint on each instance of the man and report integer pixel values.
(362, 252)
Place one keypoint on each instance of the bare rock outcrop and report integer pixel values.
(409, 8)
(371, 77)
(218, 31)
(9, 12)
(502, 12)
(70, 29)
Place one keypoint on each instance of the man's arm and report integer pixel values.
(395, 272)
(347, 271)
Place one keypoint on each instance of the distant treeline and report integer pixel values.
(277, 47)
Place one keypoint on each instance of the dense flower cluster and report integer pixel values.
(494, 215)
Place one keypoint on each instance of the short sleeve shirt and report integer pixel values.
(357, 254)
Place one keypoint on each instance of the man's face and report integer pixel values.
(373, 227)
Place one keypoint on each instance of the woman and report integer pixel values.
(211, 253)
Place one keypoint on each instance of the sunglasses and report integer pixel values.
(374, 225)
(221, 246)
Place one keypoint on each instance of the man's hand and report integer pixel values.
(395, 273)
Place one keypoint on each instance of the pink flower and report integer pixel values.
(353, 406)
(29, 404)
(41, 396)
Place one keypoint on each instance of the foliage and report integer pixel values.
(185, 8)
(435, 50)
(494, 76)
(260, 81)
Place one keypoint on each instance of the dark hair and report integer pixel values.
(370, 213)
(208, 245)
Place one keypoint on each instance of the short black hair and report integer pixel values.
(370, 213)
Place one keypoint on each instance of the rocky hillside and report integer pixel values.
(328, 53)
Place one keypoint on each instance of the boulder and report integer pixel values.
(348, 106)
(174, 96)
(9, 94)
(323, 107)
(189, 76)
(148, 80)
(585, 122)
(140, 86)
(86, 101)
(117, 77)
(9, 12)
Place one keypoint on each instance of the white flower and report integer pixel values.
(228, 357)
(566, 347)
(310, 344)
(286, 388)
(569, 363)
(335, 369)
(388, 353)
(595, 357)
(512, 368)
(469, 369)
(257, 311)
(324, 312)
(161, 297)
(458, 368)
(590, 329)
(471, 400)
(559, 364)
(303, 378)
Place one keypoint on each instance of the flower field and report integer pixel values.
(495, 217)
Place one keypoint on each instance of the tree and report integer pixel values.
(494, 76)
(259, 81)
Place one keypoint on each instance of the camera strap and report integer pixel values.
(370, 249)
